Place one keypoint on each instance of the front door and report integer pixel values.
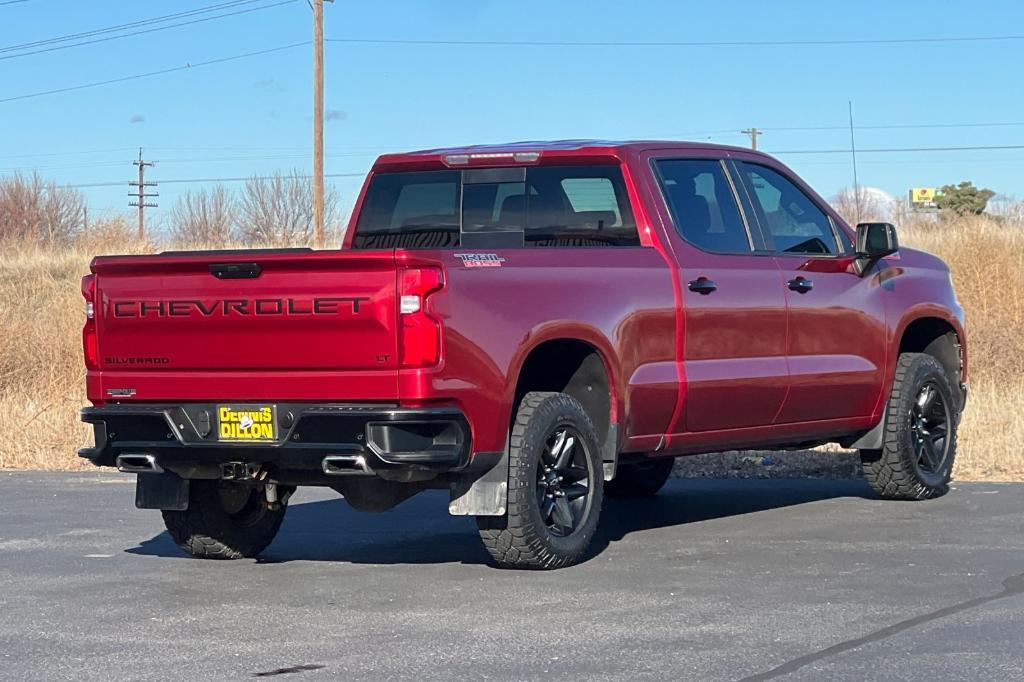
(734, 306)
(836, 340)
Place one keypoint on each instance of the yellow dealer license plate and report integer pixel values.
(246, 423)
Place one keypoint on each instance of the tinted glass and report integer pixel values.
(793, 222)
(497, 207)
(410, 210)
(578, 206)
(493, 207)
(703, 205)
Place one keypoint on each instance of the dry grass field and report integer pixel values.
(41, 311)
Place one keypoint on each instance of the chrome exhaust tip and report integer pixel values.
(340, 465)
(138, 464)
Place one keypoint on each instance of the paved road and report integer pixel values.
(712, 580)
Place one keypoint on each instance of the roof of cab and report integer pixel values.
(553, 148)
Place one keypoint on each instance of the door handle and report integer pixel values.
(702, 285)
(800, 285)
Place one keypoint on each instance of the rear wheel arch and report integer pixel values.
(576, 367)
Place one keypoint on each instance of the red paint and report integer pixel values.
(751, 364)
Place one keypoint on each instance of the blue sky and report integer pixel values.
(252, 115)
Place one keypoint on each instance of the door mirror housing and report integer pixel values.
(874, 242)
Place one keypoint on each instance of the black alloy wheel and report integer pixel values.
(929, 428)
(563, 474)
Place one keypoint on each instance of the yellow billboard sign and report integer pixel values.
(923, 195)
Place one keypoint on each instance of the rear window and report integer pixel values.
(543, 206)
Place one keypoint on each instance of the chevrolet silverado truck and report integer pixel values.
(530, 327)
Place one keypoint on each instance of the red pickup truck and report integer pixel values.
(531, 327)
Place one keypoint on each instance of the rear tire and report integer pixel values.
(555, 485)
(642, 478)
(919, 440)
(224, 521)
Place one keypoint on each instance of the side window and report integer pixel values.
(703, 205)
(793, 222)
(592, 194)
(583, 206)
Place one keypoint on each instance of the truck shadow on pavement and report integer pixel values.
(420, 531)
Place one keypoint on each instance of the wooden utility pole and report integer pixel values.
(141, 195)
(318, 123)
(753, 132)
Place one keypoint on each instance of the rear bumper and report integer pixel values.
(183, 437)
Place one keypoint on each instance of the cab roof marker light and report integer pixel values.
(465, 159)
(491, 155)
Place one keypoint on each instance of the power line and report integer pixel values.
(900, 126)
(207, 159)
(793, 151)
(291, 157)
(161, 72)
(879, 162)
(67, 153)
(199, 180)
(359, 151)
(375, 151)
(900, 149)
(12, 2)
(146, 30)
(121, 27)
(700, 43)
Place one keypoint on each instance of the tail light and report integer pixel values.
(420, 332)
(90, 348)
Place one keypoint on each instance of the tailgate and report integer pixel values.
(238, 316)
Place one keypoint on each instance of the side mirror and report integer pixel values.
(874, 242)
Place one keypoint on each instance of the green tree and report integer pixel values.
(963, 199)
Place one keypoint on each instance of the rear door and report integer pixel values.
(733, 302)
(836, 339)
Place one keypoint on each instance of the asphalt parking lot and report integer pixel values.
(711, 580)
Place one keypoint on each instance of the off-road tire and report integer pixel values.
(207, 530)
(893, 472)
(521, 538)
(642, 478)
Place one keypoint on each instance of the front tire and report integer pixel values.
(224, 521)
(919, 441)
(642, 478)
(555, 486)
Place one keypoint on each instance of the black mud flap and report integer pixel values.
(161, 491)
(482, 489)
